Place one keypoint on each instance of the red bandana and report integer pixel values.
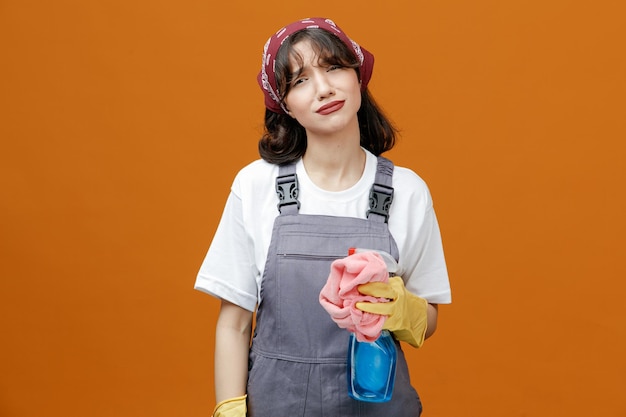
(266, 77)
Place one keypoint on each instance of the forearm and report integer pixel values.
(232, 344)
(432, 313)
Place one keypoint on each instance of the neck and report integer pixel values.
(334, 167)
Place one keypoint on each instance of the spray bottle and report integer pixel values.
(372, 365)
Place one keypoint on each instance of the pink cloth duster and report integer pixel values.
(340, 293)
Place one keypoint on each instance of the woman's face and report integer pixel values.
(323, 98)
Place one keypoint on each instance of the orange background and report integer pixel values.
(124, 122)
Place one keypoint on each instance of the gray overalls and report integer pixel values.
(298, 356)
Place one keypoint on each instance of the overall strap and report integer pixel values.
(381, 193)
(287, 189)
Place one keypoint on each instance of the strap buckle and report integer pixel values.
(287, 190)
(381, 197)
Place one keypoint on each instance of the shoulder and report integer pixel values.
(257, 174)
(254, 169)
(409, 184)
(255, 187)
(407, 176)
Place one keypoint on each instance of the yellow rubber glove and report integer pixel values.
(407, 313)
(233, 407)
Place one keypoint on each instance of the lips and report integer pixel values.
(331, 107)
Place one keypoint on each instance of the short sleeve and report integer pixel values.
(429, 277)
(228, 270)
(414, 225)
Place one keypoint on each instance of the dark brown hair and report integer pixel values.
(284, 139)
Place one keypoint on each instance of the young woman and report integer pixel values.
(320, 188)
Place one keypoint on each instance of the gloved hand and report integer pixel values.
(233, 407)
(407, 313)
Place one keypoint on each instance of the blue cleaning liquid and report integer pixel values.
(372, 368)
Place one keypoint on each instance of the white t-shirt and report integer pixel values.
(234, 264)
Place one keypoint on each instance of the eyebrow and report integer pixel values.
(296, 73)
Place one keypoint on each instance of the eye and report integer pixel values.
(334, 67)
(298, 81)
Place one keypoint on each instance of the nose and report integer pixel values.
(324, 86)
